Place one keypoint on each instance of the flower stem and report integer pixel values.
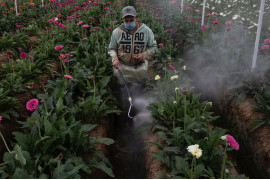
(4, 142)
(223, 162)
(185, 110)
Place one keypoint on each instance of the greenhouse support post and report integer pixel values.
(203, 12)
(258, 36)
(16, 7)
(42, 3)
(182, 5)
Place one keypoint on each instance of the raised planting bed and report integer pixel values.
(257, 141)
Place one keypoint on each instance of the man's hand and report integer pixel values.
(116, 63)
(139, 57)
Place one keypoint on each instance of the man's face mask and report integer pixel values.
(130, 26)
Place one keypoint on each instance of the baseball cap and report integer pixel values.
(128, 11)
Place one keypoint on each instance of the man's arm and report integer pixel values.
(112, 50)
(151, 47)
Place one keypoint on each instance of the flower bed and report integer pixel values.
(257, 141)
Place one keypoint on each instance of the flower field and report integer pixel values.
(209, 112)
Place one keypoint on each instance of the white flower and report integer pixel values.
(174, 77)
(223, 138)
(56, 19)
(195, 150)
(176, 89)
(157, 77)
(227, 170)
(174, 102)
(184, 68)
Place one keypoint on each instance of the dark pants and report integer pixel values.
(122, 97)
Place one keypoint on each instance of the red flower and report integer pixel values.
(9, 53)
(169, 30)
(23, 55)
(184, 91)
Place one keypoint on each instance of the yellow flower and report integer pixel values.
(174, 102)
(157, 77)
(195, 150)
(174, 77)
(184, 68)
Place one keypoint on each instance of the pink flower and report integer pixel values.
(264, 47)
(31, 57)
(23, 55)
(62, 56)
(208, 15)
(245, 27)
(203, 26)
(79, 23)
(106, 8)
(160, 44)
(65, 60)
(137, 3)
(55, 22)
(31, 104)
(59, 15)
(96, 28)
(68, 77)
(85, 26)
(228, 28)
(156, 15)
(215, 21)
(187, 17)
(19, 26)
(215, 13)
(171, 67)
(231, 141)
(31, 86)
(172, 2)
(228, 22)
(84, 39)
(197, 10)
(267, 41)
(109, 29)
(58, 47)
(187, 8)
(1, 118)
(169, 30)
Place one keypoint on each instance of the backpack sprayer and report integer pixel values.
(126, 87)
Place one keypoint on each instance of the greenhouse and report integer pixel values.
(134, 89)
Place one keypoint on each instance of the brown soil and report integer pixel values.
(3, 58)
(153, 166)
(257, 141)
(33, 41)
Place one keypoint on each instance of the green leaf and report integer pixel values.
(48, 127)
(21, 174)
(19, 156)
(42, 96)
(180, 163)
(75, 169)
(104, 168)
(59, 105)
(106, 141)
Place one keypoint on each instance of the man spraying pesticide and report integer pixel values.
(131, 46)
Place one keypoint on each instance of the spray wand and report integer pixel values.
(129, 96)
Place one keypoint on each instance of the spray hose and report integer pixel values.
(129, 96)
